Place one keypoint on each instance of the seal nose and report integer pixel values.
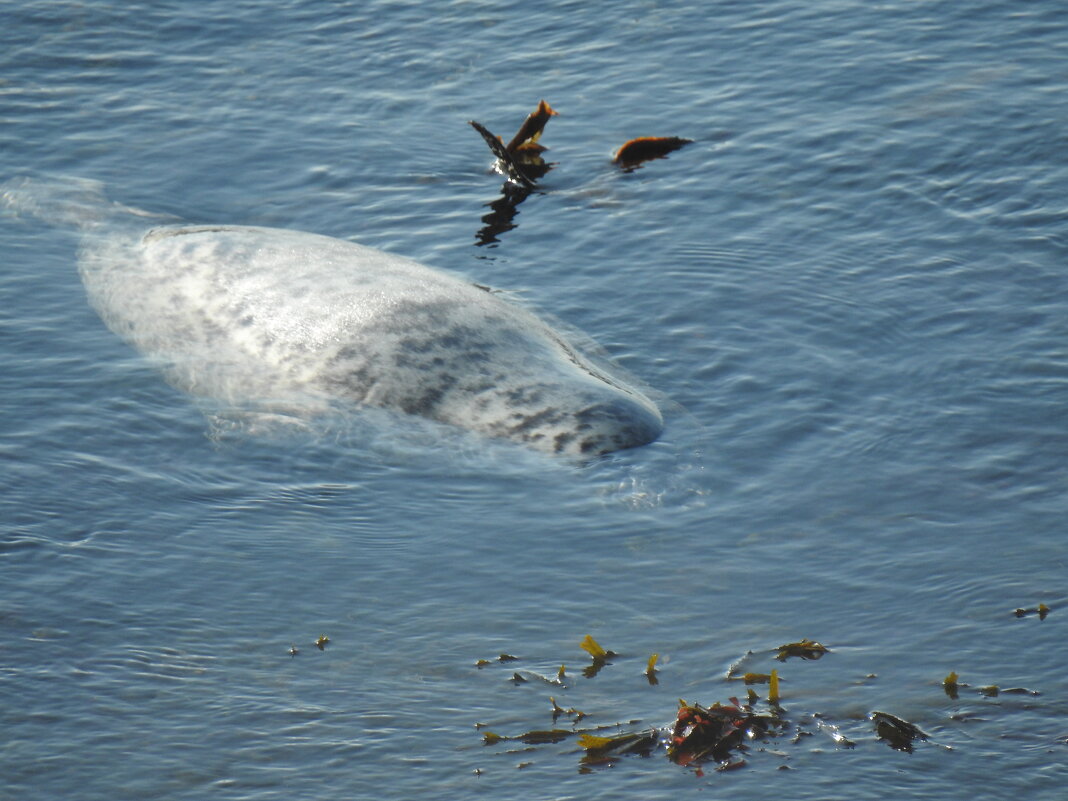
(617, 424)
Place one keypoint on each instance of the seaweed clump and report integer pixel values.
(520, 160)
(719, 731)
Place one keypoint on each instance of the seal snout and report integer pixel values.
(614, 425)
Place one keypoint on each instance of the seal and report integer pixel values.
(248, 314)
(269, 318)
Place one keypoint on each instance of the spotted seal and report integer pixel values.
(242, 313)
(257, 317)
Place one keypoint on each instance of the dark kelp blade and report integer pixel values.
(536, 737)
(531, 129)
(895, 732)
(645, 148)
(543, 736)
(508, 163)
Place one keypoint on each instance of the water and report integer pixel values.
(851, 284)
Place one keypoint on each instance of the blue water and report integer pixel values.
(851, 288)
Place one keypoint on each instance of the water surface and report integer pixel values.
(850, 286)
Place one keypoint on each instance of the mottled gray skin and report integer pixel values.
(253, 314)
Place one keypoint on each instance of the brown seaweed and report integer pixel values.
(526, 138)
(646, 148)
(897, 733)
(1041, 610)
(507, 161)
(714, 732)
(806, 649)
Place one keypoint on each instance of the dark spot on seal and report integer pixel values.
(425, 404)
(532, 421)
(561, 441)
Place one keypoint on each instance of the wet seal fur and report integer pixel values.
(251, 314)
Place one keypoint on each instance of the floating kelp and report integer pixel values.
(530, 737)
(803, 649)
(727, 734)
(570, 712)
(481, 663)
(601, 657)
(525, 675)
(594, 649)
(806, 649)
(322, 642)
(754, 678)
(897, 733)
(505, 161)
(601, 750)
(701, 733)
(521, 163)
(646, 148)
(993, 691)
(520, 160)
(526, 138)
(650, 670)
(952, 686)
(773, 687)
(1041, 610)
